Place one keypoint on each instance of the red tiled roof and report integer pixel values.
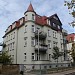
(30, 8)
(41, 20)
(70, 37)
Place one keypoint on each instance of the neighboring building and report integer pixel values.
(34, 35)
(71, 39)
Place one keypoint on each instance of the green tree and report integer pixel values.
(5, 58)
(71, 6)
(56, 54)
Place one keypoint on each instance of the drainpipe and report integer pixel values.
(16, 45)
(38, 44)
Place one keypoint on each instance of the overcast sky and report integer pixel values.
(12, 10)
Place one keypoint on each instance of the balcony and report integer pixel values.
(42, 35)
(2, 44)
(65, 41)
(41, 48)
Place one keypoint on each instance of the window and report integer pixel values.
(32, 41)
(25, 38)
(49, 66)
(49, 33)
(32, 56)
(9, 37)
(49, 43)
(61, 45)
(33, 67)
(13, 45)
(50, 57)
(45, 67)
(37, 57)
(61, 36)
(33, 28)
(25, 56)
(54, 24)
(70, 39)
(54, 44)
(48, 21)
(10, 46)
(55, 35)
(58, 27)
(12, 58)
(55, 17)
(33, 17)
(26, 17)
(14, 35)
(25, 28)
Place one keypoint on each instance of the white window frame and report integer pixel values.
(54, 25)
(25, 57)
(25, 43)
(14, 35)
(32, 41)
(33, 56)
(49, 57)
(33, 17)
(49, 33)
(13, 45)
(25, 28)
(33, 28)
(49, 44)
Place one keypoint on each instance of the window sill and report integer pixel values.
(49, 48)
(25, 46)
(40, 60)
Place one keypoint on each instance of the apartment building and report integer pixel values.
(30, 40)
(71, 39)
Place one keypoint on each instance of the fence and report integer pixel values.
(34, 69)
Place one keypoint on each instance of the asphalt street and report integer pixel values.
(71, 73)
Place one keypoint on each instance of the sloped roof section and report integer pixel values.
(30, 8)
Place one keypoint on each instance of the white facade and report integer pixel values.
(22, 43)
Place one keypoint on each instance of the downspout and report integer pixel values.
(16, 45)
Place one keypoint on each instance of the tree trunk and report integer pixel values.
(57, 64)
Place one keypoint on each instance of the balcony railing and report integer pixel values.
(65, 41)
(41, 47)
(42, 35)
(2, 44)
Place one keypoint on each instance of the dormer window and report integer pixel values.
(48, 21)
(55, 17)
(58, 27)
(54, 24)
(26, 17)
(33, 17)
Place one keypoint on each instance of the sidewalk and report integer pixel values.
(63, 73)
